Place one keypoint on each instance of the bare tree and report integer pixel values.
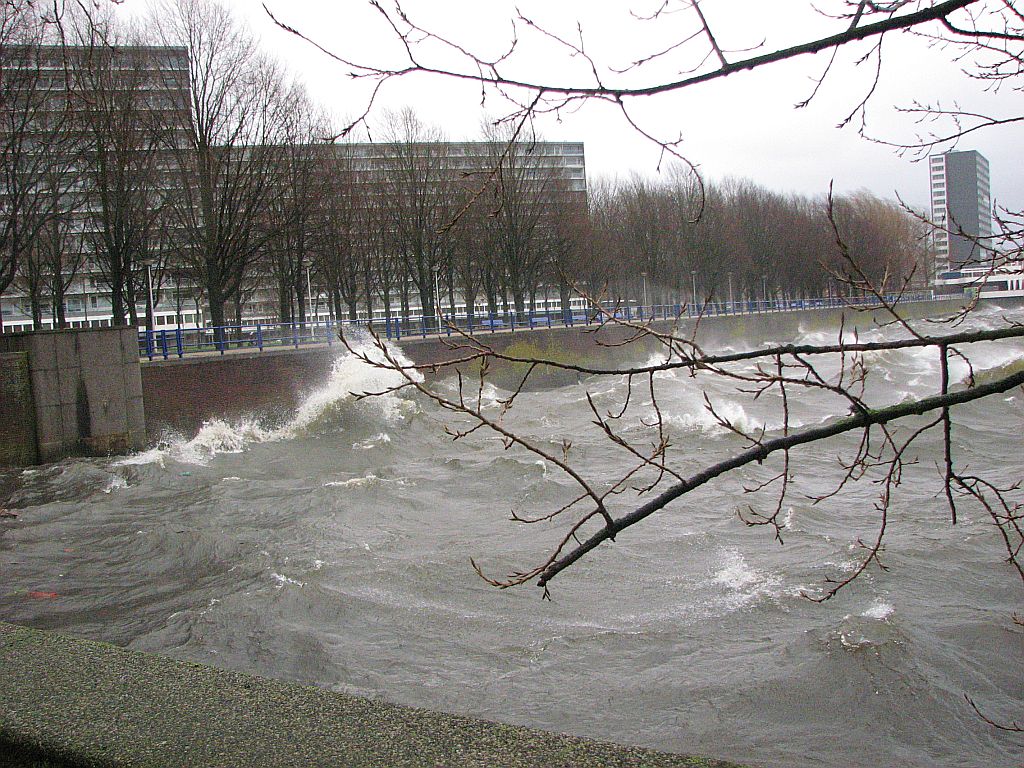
(238, 105)
(292, 208)
(416, 182)
(126, 106)
(38, 148)
(346, 224)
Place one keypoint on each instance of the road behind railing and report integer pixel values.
(179, 342)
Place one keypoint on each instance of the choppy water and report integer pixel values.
(334, 549)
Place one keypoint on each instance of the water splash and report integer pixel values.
(350, 376)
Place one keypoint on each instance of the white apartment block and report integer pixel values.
(961, 209)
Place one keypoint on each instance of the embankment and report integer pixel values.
(180, 395)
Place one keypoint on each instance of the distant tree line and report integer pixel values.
(736, 240)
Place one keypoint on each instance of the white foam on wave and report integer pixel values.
(880, 611)
(738, 584)
(702, 420)
(218, 437)
(362, 482)
(735, 573)
(150, 456)
(116, 483)
(284, 580)
(350, 376)
(383, 438)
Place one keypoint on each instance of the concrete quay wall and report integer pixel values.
(84, 394)
(85, 391)
(180, 394)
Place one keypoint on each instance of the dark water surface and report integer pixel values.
(334, 549)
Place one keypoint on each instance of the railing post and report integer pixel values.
(177, 341)
(163, 342)
(149, 343)
(259, 336)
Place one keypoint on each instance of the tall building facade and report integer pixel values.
(92, 139)
(961, 209)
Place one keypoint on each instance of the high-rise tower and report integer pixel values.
(961, 209)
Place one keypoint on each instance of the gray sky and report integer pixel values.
(744, 126)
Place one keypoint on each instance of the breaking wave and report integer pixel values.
(350, 377)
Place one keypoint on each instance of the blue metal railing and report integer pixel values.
(178, 342)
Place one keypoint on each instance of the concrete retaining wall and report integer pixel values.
(17, 414)
(180, 394)
(86, 389)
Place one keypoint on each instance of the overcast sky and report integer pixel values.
(745, 126)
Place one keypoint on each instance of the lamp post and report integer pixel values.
(644, 276)
(693, 280)
(732, 306)
(85, 295)
(437, 295)
(764, 290)
(309, 294)
(151, 320)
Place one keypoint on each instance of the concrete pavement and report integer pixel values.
(71, 702)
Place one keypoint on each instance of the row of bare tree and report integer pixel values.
(216, 178)
(218, 175)
(736, 240)
(136, 160)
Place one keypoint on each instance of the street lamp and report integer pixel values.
(309, 295)
(732, 306)
(644, 276)
(764, 289)
(693, 279)
(437, 296)
(85, 294)
(151, 320)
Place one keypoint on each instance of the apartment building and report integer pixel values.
(961, 209)
(100, 126)
(125, 106)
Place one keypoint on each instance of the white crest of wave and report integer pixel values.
(351, 375)
(701, 419)
(116, 483)
(361, 482)
(741, 583)
(216, 437)
(149, 456)
(284, 580)
(355, 482)
(880, 610)
(382, 438)
(735, 573)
